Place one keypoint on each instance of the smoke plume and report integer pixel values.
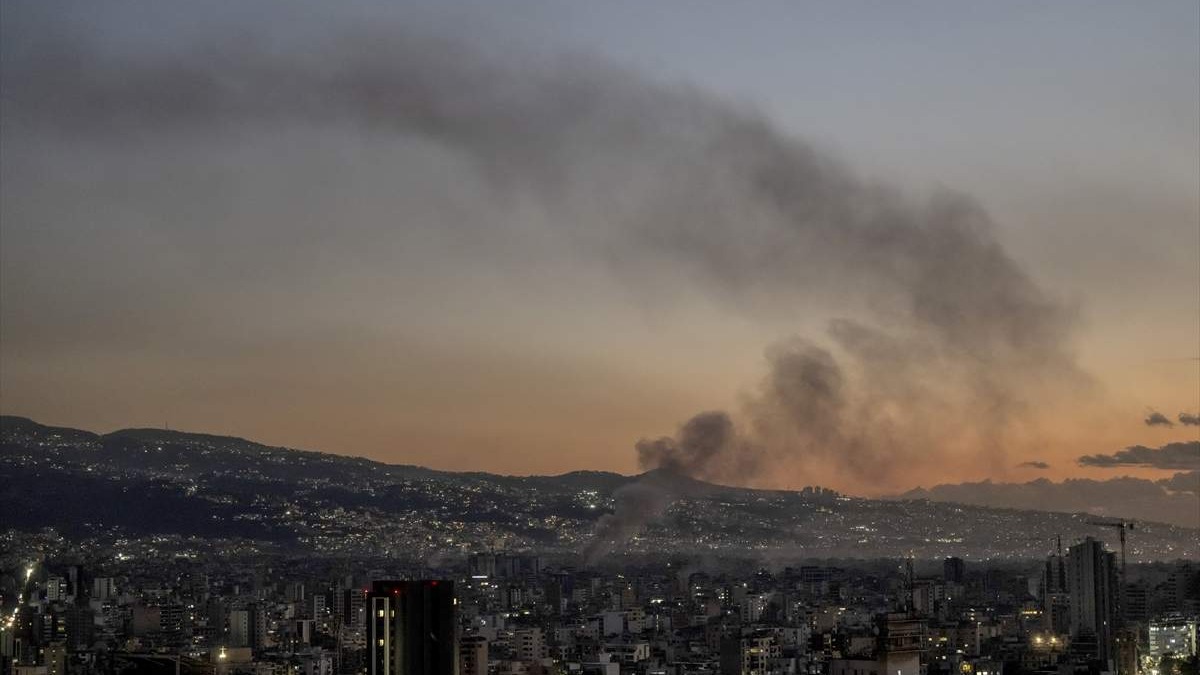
(636, 504)
(706, 447)
(940, 345)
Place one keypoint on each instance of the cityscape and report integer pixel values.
(171, 609)
(408, 570)
(531, 337)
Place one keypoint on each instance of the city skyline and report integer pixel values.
(220, 609)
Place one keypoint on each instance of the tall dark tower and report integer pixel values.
(411, 628)
(1092, 583)
(953, 570)
(1056, 598)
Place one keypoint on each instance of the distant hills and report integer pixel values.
(1175, 499)
(146, 482)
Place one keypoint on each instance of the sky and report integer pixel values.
(866, 246)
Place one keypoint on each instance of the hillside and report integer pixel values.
(141, 482)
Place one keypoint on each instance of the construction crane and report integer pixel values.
(1121, 526)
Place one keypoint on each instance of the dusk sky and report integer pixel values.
(522, 237)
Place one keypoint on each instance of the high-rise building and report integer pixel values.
(77, 581)
(1173, 635)
(56, 658)
(1092, 585)
(354, 608)
(1181, 592)
(240, 627)
(953, 570)
(473, 655)
(56, 589)
(104, 588)
(758, 652)
(1136, 602)
(1056, 600)
(1054, 574)
(81, 627)
(247, 627)
(411, 628)
(529, 644)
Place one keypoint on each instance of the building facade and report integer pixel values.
(1092, 585)
(411, 628)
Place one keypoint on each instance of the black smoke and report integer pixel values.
(635, 505)
(703, 448)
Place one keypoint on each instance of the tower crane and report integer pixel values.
(1121, 526)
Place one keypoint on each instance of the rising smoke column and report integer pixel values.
(636, 504)
(945, 343)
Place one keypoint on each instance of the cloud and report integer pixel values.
(1157, 419)
(1174, 500)
(1188, 419)
(1179, 455)
(1184, 481)
(1034, 465)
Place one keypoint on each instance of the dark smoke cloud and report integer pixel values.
(636, 504)
(1189, 420)
(1034, 465)
(945, 342)
(1180, 455)
(703, 448)
(1157, 419)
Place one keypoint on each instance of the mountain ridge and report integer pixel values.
(145, 482)
(7, 422)
(585, 477)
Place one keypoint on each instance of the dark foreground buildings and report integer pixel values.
(411, 628)
(161, 612)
